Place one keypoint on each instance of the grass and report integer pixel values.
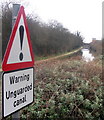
(56, 56)
(67, 89)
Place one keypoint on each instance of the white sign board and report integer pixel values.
(17, 90)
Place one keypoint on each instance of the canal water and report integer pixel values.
(86, 55)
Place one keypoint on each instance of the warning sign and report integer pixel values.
(19, 50)
(18, 63)
(17, 90)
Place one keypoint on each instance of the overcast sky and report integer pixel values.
(84, 16)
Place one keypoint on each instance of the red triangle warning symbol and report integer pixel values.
(19, 52)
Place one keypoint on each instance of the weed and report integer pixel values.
(67, 90)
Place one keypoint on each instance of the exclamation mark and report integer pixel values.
(21, 32)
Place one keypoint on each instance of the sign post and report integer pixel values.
(18, 67)
(16, 8)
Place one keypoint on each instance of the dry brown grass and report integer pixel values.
(67, 88)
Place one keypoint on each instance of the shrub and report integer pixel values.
(67, 90)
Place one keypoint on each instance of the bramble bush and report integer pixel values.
(67, 90)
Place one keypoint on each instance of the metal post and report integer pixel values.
(16, 7)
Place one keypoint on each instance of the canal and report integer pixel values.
(87, 55)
